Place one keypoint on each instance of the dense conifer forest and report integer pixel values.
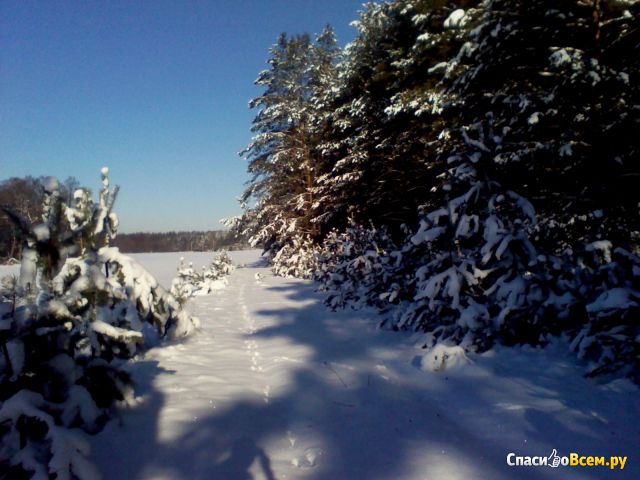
(468, 169)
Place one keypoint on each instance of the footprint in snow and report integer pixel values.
(266, 394)
(309, 459)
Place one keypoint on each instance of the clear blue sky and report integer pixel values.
(156, 90)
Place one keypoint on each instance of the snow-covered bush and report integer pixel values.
(35, 444)
(473, 267)
(359, 267)
(471, 274)
(189, 283)
(184, 284)
(443, 358)
(296, 259)
(606, 287)
(221, 265)
(78, 307)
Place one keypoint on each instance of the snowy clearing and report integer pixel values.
(275, 386)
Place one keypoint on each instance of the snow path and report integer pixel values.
(275, 386)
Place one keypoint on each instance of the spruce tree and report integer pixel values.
(283, 156)
(78, 308)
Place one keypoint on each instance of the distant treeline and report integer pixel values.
(178, 241)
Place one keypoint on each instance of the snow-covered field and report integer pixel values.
(163, 266)
(275, 386)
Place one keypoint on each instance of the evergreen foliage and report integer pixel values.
(283, 156)
(25, 195)
(78, 308)
(189, 283)
(475, 177)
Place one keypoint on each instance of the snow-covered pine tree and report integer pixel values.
(323, 82)
(77, 308)
(387, 116)
(296, 259)
(546, 89)
(529, 227)
(474, 282)
(358, 267)
(184, 284)
(281, 146)
(393, 154)
(189, 282)
(283, 156)
(530, 70)
(507, 121)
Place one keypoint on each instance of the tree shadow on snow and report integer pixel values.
(202, 451)
(342, 416)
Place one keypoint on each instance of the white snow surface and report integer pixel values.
(276, 386)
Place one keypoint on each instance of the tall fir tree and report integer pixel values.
(283, 156)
